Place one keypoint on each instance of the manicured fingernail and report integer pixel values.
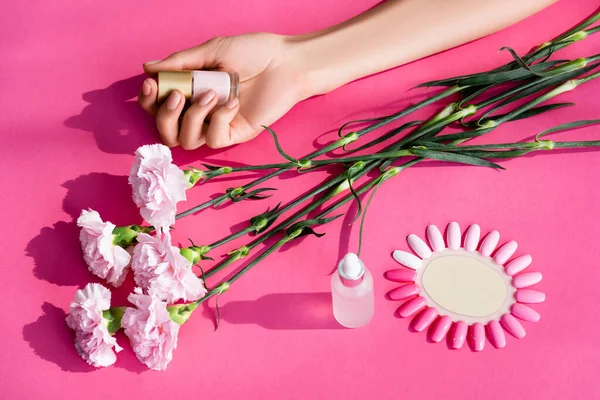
(206, 98)
(146, 88)
(152, 62)
(233, 103)
(173, 100)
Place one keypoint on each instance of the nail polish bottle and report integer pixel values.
(352, 292)
(195, 83)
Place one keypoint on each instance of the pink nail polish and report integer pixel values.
(404, 292)
(173, 100)
(459, 334)
(401, 275)
(518, 264)
(505, 252)
(193, 84)
(435, 238)
(424, 319)
(411, 307)
(441, 328)
(206, 98)
(472, 237)
(512, 326)
(478, 336)
(497, 334)
(530, 296)
(526, 280)
(489, 243)
(524, 312)
(453, 236)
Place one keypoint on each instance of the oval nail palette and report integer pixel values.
(459, 291)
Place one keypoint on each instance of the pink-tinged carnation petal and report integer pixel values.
(92, 340)
(419, 246)
(103, 257)
(411, 307)
(441, 328)
(527, 279)
(401, 275)
(453, 236)
(160, 268)
(472, 237)
(407, 259)
(404, 292)
(530, 296)
(496, 334)
(478, 336)
(424, 319)
(512, 326)
(524, 312)
(152, 333)
(518, 264)
(158, 185)
(459, 334)
(505, 252)
(435, 238)
(489, 243)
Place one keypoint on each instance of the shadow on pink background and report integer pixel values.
(71, 124)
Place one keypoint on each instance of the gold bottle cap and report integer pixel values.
(174, 80)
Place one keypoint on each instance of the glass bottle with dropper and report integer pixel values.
(352, 292)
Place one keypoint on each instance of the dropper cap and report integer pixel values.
(351, 270)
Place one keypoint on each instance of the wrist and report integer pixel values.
(317, 73)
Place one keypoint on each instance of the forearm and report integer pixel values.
(397, 32)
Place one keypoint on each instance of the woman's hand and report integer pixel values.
(270, 84)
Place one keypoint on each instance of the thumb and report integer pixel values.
(199, 57)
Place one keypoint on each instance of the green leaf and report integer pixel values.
(113, 317)
(487, 78)
(303, 228)
(497, 154)
(522, 63)
(567, 126)
(536, 86)
(279, 149)
(455, 157)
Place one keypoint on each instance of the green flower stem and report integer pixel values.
(335, 145)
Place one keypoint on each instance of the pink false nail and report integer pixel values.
(404, 292)
(478, 336)
(505, 252)
(459, 334)
(407, 259)
(401, 275)
(529, 296)
(497, 334)
(518, 264)
(524, 312)
(512, 326)
(526, 280)
(441, 328)
(435, 238)
(453, 235)
(424, 319)
(419, 246)
(489, 243)
(472, 237)
(411, 307)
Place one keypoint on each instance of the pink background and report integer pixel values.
(69, 74)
